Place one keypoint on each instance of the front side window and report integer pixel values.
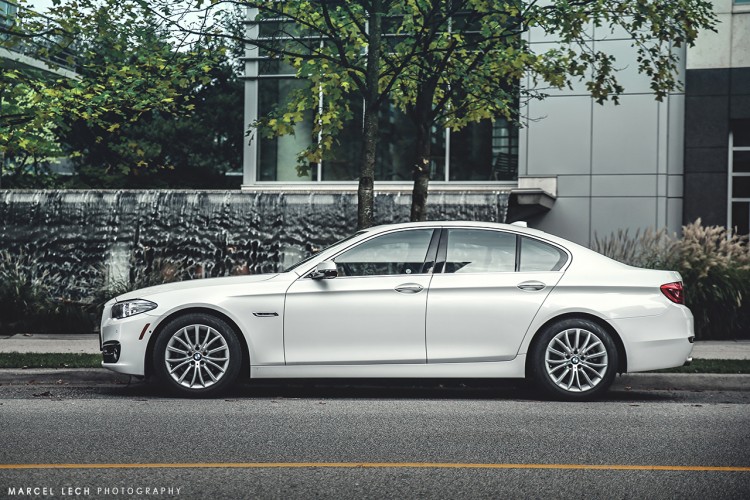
(480, 251)
(403, 252)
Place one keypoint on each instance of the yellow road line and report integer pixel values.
(377, 465)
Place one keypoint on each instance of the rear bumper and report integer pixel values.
(657, 342)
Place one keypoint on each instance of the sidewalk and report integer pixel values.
(89, 344)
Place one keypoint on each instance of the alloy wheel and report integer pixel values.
(197, 356)
(576, 360)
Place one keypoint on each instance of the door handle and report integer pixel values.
(409, 288)
(532, 286)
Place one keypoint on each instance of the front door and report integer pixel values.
(372, 312)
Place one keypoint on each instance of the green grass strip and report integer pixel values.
(726, 366)
(54, 360)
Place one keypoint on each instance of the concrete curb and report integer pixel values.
(60, 376)
(683, 382)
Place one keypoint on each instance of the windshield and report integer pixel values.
(305, 260)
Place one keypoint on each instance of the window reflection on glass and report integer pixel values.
(395, 150)
(342, 163)
(485, 151)
(278, 155)
(402, 252)
(480, 251)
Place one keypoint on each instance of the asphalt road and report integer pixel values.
(372, 440)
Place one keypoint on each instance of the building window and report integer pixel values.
(480, 152)
(739, 177)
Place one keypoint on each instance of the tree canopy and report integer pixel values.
(137, 92)
(454, 62)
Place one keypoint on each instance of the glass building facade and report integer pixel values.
(481, 152)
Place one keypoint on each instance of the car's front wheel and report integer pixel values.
(574, 359)
(197, 355)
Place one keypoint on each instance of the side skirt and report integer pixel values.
(515, 368)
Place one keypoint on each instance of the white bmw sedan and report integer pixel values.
(432, 299)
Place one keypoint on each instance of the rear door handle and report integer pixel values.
(409, 288)
(532, 286)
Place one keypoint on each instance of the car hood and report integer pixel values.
(197, 283)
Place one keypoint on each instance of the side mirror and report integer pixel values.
(325, 270)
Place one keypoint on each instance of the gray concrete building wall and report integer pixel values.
(617, 166)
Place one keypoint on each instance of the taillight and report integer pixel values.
(674, 292)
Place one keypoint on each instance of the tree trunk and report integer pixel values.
(421, 173)
(422, 116)
(365, 191)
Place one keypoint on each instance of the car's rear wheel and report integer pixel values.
(197, 355)
(574, 359)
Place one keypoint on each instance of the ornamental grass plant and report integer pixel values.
(715, 266)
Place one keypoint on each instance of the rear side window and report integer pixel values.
(480, 251)
(538, 256)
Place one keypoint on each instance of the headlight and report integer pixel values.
(131, 308)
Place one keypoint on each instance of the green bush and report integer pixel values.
(714, 264)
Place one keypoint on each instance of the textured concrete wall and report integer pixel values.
(90, 238)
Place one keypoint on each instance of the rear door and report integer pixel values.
(486, 290)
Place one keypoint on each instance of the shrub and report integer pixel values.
(23, 290)
(29, 300)
(714, 264)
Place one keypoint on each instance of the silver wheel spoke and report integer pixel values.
(178, 339)
(591, 347)
(553, 370)
(200, 375)
(205, 346)
(221, 369)
(211, 358)
(565, 347)
(588, 380)
(172, 370)
(187, 370)
(174, 349)
(557, 361)
(556, 352)
(195, 372)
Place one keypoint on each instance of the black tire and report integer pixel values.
(197, 355)
(574, 360)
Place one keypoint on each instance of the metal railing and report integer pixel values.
(35, 35)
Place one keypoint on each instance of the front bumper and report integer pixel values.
(124, 342)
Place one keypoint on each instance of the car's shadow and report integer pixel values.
(456, 389)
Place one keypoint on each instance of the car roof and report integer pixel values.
(467, 224)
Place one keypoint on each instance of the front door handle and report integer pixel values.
(409, 288)
(532, 286)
